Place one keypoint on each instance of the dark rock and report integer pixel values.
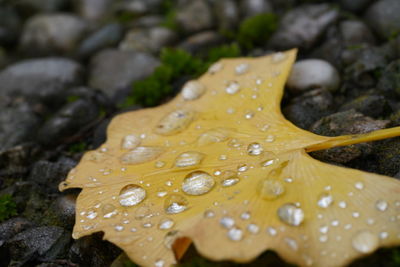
(138, 7)
(355, 5)
(100, 133)
(227, 14)
(389, 82)
(306, 109)
(355, 32)
(150, 40)
(40, 79)
(30, 7)
(113, 69)
(93, 251)
(52, 34)
(107, 36)
(383, 17)
(371, 105)
(68, 121)
(50, 174)
(61, 212)
(16, 161)
(41, 243)
(342, 123)
(148, 21)
(201, 42)
(9, 26)
(13, 226)
(302, 26)
(387, 156)
(251, 8)
(194, 16)
(18, 124)
(93, 9)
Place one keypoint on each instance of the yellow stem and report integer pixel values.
(346, 140)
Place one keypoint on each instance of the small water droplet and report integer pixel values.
(166, 224)
(119, 228)
(193, 90)
(291, 243)
(91, 215)
(227, 222)
(109, 211)
(278, 57)
(141, 154)
(189, 158)
(214, 68)
(223, 157)
(359, 185)
(142, 212)
(270, 189)
(130, 142)
(270, 139)
(383, 235)
(241, 68)
(131, 195)
(242, 168)
(213, 136)
(159, 164)
(229, 178)
(381, 205)
(161, 193)
(159, 263)
(209, 214)
(248, 115)
(253, 228)
(255, 149)
(325, 200)
(175, 122)
(323, 238)
(365, 242)
(267, 162)
(245, 215)
(235, 234)
(232, 88)
(290, 214)
(324, 229)
(175, 204)
(147, 225)
(342, 204)
(197, 183)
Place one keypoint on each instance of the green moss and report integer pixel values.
(223, 51)
(72, 98)
(78, 147)
(169, 12)
(255, 30)
(8, 208)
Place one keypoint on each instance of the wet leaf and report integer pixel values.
(225, 170)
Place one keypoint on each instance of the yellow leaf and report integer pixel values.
(221, 167)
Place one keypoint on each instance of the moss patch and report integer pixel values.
(8, 208)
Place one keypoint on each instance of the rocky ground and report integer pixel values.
(67, 67)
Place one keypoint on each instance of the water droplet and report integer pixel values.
(245, 215)
(119, 228)
(96, 156)
(235, 234)
(147, 225)
(242, 68)
(253, 228)
(242, 168)
(381, 205)
(278, 57)
(209, 214)
(159, 164)
(383, 235)
(272, 231)
(324, 229)
(227, 222)
(197, 183)
(161, 192)
(267, 162)
(342, 204)
(214, 68)
(193, 90)
(232, 88)
(131, 195)
(175, 204)
(365, 242)
(141, 154)
(325, 200)
(109, 211)
(270, 189)
(290, 214)
(175, 122)
(159, 263)
(359, 185)
(270, 139)
(130, 142)
(323, 238)
(255, 149)
(291, 243)
(91, 215)
(248, 115)
(189, 158)
(213, 136)
(142, 212)
(166, 224)
(229, 178)
(170, 238)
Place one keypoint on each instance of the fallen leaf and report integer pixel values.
(221, 167)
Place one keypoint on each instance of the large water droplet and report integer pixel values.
(235, 234)
(190, 158)
(365, 242)
(325, 200)
(290, 214)
(193, 90)
(213, 136)
(131, 195)
(175, 122)
(381, 205)
(270, 189)
(197, 183)
(141, 154)
(175, 204)
(255, 149)
(232, 88)
(229, 178)
(130, 142)
(165, 224)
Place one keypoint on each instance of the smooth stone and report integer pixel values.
(194, 16)
(383, 17)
